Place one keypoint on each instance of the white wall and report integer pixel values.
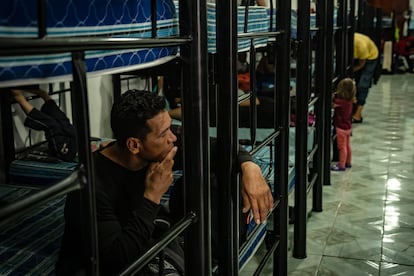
(100, 94)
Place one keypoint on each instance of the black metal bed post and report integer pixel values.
(79, 99)
(6, 135)
(153, 18)
(345, 37)
(227, 124)
(253, 92)
(301, 139)
(328, 29)
(193, 23)
(350, 41)
(360, 14)
(41, 15)
(320, 88)
(282, 117)
(378, 29)
(340, 35)
(338, 40)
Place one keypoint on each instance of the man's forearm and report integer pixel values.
(359, 65)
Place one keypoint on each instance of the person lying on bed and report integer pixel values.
(59, 132)
(132, 174)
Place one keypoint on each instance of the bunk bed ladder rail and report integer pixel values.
(196, 141)
(227, 123)
(301, 138)
(84, 176)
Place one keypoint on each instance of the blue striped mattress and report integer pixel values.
(29, 245)
(258, 21)
(18, 19)
(294, 21)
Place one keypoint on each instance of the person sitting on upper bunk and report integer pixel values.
(59, 132)
(132, 174)
(366, 54)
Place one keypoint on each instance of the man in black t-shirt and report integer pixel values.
(132, 174)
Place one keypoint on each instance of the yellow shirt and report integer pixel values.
(364, 47)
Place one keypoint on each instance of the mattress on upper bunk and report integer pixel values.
(255, 23)
(18, 19)
(294, 21)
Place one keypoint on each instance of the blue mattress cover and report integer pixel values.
(255, 23)
(18, 19)
(294, 21)
(132, 18)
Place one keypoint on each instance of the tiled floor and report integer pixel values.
(367, 223)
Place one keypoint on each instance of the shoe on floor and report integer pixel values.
(356, 121)
(348, 165)
(336, 168)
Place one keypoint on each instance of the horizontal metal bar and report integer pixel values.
(14, 209)
(314, 100)
(32, 97)
(265, 142)
(21, 46)
(259, 34)
(315, 29)
(266, 258)
(176, 230)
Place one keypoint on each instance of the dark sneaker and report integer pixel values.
(336, 168)
(356, 121)
(348, 166)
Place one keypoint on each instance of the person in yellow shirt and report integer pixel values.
(366, 54)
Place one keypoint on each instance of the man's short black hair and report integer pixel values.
(129, 115)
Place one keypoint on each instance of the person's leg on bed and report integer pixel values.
(59, 133)
(21, 100)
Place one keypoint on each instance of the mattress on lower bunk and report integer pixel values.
(29, 245)
(18, 19)
(35, 168)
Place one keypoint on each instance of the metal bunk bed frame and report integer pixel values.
(227, 122)
(319, 155)
(344, 45)
(193, 49)
(193, 53)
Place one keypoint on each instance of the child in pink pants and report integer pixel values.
(343, 100)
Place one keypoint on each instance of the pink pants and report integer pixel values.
(343, 140)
